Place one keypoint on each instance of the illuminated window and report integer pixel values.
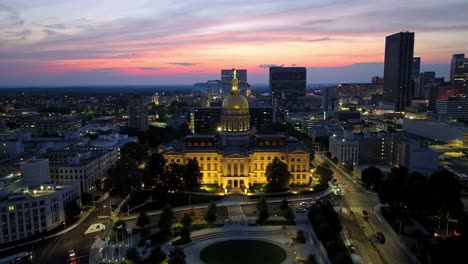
(11, 208)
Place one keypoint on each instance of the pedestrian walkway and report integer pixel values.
(277, 235)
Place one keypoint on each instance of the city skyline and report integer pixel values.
(184, 43)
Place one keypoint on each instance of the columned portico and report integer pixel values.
(239, 182)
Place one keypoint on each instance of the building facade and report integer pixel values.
(345, 148)
(455, 107)
(82, 167)
(207, 120)
(228, 75)
(239, 159)
(286, 85)
(28, 207)
(138, 113)
(459, 71)
(398, 69)
(56, 125)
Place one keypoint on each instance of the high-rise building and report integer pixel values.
(459, 71)
(398, 69)
(138, 113)
(416, 66)
(226, 78)
(286, 85)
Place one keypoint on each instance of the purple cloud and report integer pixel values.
(185, 64)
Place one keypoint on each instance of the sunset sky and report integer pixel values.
(59, 42)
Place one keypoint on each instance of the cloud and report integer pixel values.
(125, 56)
(184, 64)
(319, 21)
(149, 68)
(293, 65)
(267, 66)
(319, 39)
(57, 26)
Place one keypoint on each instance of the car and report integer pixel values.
(301, 210)
(71, 253)
(351, 247)
(380, 237)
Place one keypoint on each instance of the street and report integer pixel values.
(359, 231)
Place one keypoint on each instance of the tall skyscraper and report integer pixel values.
(416, 67)
(226, 78)
(398, 69)
(138, 113)
(287, 84)
(459, 72)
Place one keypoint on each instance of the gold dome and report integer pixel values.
(235, 101)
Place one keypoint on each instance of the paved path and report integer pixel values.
(274, 234)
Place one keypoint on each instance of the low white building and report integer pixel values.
(109, 142)
(345, 148)
(84, 167)
(28, 207)
(417, 157)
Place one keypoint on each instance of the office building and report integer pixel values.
(207, 120)
(344, 147)
(398, 69)
(286, 85)
(51, 126)
(417, 157)
(84, 167)
(454, 107)
(30, 203)
(226, 78)
(416, 67)
(459, 71)
(138, 113)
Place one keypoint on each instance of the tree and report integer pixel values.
(142, 219)
(186, 222)
(191, 175)
(210, 215)
(277, 176)
(289, 214)
(133, 256)
(86, 198)
(177, 256)
(372, 177)
(156, 168)
(72, 209)
(325, 173)
(284, 205)
(311, 259)
(134, 151)
(165, 219)
(98, 184)
(300, 236)
(262, 211)
(157, 255)
(173, 178)
(445, 189)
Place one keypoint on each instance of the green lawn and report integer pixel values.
(243, 251)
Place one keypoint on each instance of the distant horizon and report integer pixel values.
(315, 75)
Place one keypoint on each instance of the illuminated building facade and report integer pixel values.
(239, 159)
